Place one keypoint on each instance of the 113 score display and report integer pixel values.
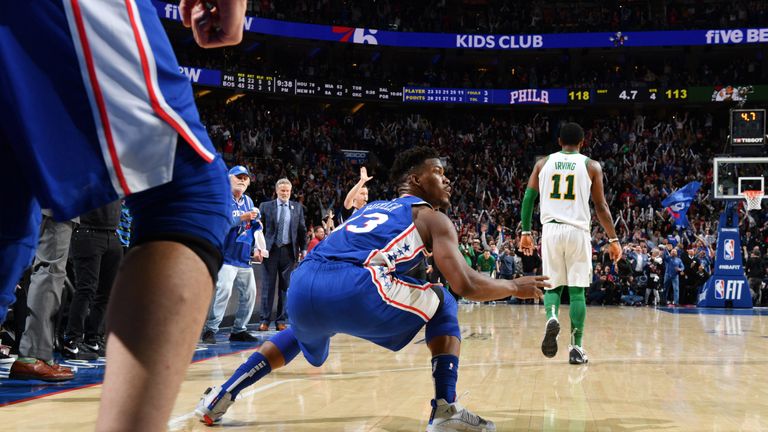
(626, 95)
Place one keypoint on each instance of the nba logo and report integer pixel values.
(729, 254)
(720, 288)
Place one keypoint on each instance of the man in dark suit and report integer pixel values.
(286, 241)
(689, 280)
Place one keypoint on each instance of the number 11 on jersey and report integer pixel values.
(569, 195)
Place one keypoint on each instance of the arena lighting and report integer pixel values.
(356, 108)
(234, 98)
(201, 93)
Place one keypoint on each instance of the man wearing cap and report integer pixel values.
(237, 270)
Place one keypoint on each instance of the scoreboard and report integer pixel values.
(647, 95)
(307, 87)
(618, 95)
(748, 127)
(413, 94)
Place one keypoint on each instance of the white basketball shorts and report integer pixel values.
(566, 255)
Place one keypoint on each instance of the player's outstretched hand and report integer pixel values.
(614, 251)
(364, 175)
(215, 23)
(529, 287)
(526, 244)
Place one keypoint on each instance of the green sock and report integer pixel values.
(28, 360)
(578, 313)
(552, 301)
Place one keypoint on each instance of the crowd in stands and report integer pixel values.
(490, 157)
(516, 16)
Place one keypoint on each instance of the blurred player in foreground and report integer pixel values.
(94, 108)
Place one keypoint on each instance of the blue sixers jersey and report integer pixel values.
(239, 241)
(380, 234)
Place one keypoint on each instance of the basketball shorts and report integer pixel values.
(94, 109)
(326, 298)
(566, 255)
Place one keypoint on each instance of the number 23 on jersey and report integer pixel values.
(373, 220)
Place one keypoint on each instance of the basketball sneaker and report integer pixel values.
(213, 405)
(549, 344)
(449, 417)
(5, 355)
(75, 349)
(577, 355)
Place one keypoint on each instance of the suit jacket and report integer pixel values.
(297, 230)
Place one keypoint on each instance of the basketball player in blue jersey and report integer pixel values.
(94, 108)
(355, 282)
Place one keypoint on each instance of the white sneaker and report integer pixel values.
(577, 355)
(213, 405)
(450, 417)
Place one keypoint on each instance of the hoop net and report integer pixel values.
(753, 198)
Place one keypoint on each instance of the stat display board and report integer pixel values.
(307, 87)
(647, 95)
(748, 127)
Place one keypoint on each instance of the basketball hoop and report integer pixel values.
(753, 198)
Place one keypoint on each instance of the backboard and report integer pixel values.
(734, 175)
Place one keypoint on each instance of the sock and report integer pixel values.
(254, 369)
(578, 313)
(257, 366)
(552, 301)
(445, 371)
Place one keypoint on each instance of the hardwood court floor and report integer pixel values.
(648, 370)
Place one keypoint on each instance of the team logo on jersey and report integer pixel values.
(729, 252)
(719, 289)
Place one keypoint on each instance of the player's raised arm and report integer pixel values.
(438, 230)
(601, 209)
(526, 213)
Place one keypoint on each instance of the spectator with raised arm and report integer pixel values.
(357, 197)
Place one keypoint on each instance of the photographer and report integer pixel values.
(655, 277)
(755, 270)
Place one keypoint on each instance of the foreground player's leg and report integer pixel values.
(443, 340)
(552, 329)
(169, 287)
(578, 313)
(19, 223)
(275, 353)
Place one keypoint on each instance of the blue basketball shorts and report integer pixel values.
(94, 109)
(326, 298)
